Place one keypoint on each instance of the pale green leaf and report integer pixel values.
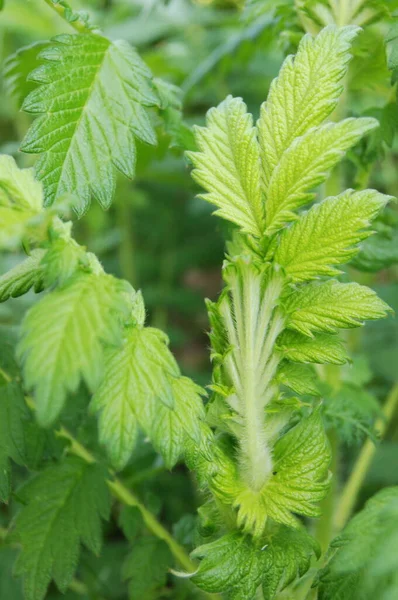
(228, 165)
(300, 378)
(304, 94)
(64, 255)
(23, 277)
(63, 338)
(238, 565)
(135, 383)
(306, 164)
(21, 199)
(328, 234)
(92, 96)
(63, 508)
(323, 348)
(364, 564)
(168, 429)
(331, 306)
(141, 385)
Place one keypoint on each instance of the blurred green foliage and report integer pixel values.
(162, 239)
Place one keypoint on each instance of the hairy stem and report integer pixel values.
(253, 324)
(127, 497)
(349, 496)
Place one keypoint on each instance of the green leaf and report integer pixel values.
(351, 411)
(80, 79)
(237, 565)
(63, 336)
(228, 165)
(306, 164)
(64, 256)
(23, 277)
(304, 94)
(146, 567)
(63, 508)
(135, 381)
(363, 559)
(323, 348)
(232, 563)
(21, 199)
(13, 410)
(300, 378)
(328, 234)
(168, 429)
(331, 306)
(299, 480)
(17, 68)
(141, 385)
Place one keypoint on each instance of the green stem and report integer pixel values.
(127, 497)
(351, 490)
(78, 24)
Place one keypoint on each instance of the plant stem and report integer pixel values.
(78, 25)
(127, 497)
(349, 496)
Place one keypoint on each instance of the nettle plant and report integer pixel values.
(260, 452)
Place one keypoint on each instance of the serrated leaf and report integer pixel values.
(21, 199)
(64, 507)
(306, 164)
(332, 306)
(23, 277)
(328, 234)
(146, 567)
(59, 352)
(237, 565)
(228, 165)
(299, 480)
(80, 79)
(300, 378)
(322, 348)
(232, 563)
(168, 429)
(304, 94)
(135, 374)
(364, 563)
(141, 385)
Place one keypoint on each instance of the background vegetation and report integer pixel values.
(163, 240)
